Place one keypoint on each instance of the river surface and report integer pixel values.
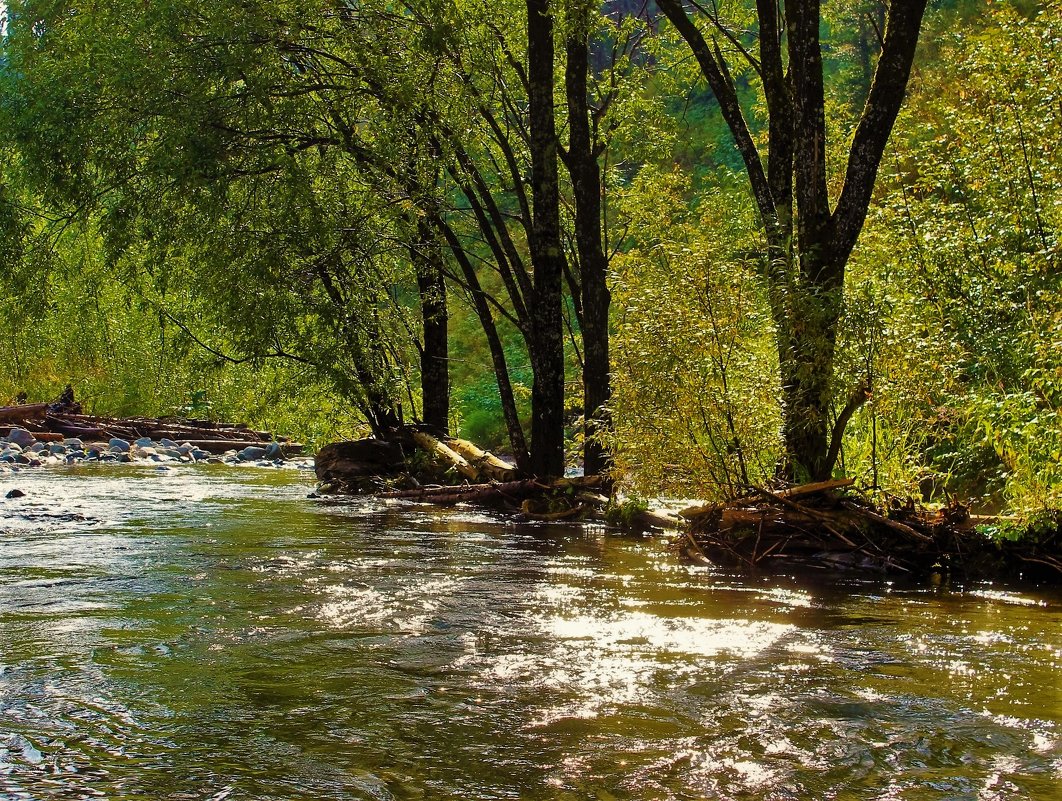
(210, 633)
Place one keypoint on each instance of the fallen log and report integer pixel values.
(446, 454)
(25, 411)
(509, 494)
(485, 462)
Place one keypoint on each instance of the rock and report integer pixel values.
(184, 449)
(38, 447)
(144, 442)
(167, 443)
(73, 443)
(214, 460)
(274, 451)
(200, 455)
(12, 447)
(357, 459)
(251, 453)
(15, 493)
(21, 458)
(21, 437)
(173, 453)
(118, 445)
(92, 453)
(124, 457)
(144, 451)
(57, 448)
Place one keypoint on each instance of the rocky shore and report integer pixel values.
(21, 448)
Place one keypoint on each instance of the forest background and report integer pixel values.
(295, 212)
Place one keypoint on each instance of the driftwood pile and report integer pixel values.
(54, 422)
(820, 525)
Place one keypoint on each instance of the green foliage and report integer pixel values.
(965, 250)
(209, 209)
(695, 387)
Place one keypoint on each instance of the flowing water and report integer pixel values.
(199, 633)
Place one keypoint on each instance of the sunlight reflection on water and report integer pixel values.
(212, 634)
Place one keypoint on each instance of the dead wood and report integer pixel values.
(488, 465)
(446, 454)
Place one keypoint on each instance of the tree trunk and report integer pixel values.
(434, 352)
(593, 264)
(806, 281)
(547, 256)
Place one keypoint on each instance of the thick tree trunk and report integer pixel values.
(434, 352)
(807, 382)
(593, 263)
(547, 256)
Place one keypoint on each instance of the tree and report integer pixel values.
(809, 238)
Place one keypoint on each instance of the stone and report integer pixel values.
(15, 493)
(38, 447)
(73, 443)
(341, 461)
(124, 457)
(199, 455)
(21, 437)
(184, 449)
(57, 447)
(167, 443)
(118, 445)
(274, 451)
(251, 453)
(144, 442)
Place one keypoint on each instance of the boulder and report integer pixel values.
(118, 445)
(21, 437)
(340, 461)
(251, 453)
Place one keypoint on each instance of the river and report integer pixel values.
(210, 633)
